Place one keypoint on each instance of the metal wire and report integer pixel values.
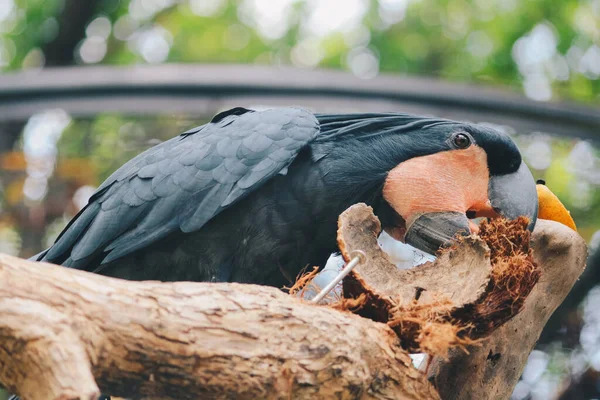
(359, 258)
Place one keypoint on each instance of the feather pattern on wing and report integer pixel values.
(182, 183)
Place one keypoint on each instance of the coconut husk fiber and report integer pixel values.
(468, 291)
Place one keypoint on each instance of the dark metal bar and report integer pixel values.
(201, 89)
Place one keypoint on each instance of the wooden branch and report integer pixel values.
(493, 368)
(67, 334)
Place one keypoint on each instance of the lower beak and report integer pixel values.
(431, 231)
(511, 196)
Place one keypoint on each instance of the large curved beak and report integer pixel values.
(511, 196)
(514, 195)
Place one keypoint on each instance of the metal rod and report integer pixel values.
(345, 271)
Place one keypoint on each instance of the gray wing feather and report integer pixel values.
(75, 229)
(182, 183)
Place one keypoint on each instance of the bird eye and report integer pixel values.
(461, 141)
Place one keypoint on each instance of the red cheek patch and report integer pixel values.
(454, 180)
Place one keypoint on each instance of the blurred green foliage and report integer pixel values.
(548, 48)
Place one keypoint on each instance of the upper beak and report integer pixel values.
(510, 195)
(515, 195)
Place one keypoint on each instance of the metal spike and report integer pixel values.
(360, 257)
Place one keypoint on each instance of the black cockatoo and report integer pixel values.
(254, 196)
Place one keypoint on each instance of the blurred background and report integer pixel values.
(52, 158)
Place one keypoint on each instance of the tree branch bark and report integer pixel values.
(72, 22)
(67, 334)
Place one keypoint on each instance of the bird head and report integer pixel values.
(426, 177)
(467, 171)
